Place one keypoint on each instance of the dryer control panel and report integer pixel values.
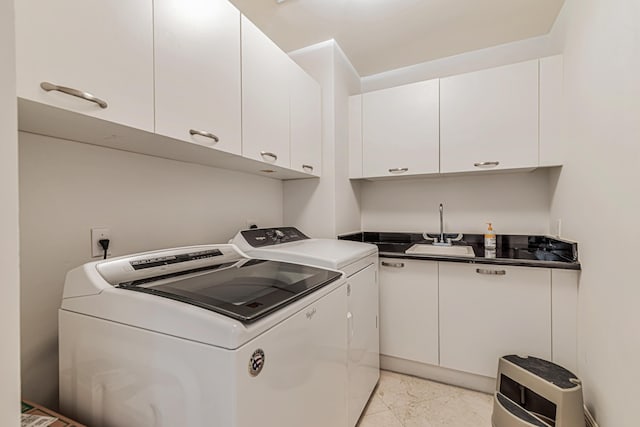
(261, 237)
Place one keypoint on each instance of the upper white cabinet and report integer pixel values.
(489, 119)
(489, 311)
(88, 56)
(552, 112)
(197, 72)
(167, 78)
(265, 97)
(400, 130)
(409, 309)
(306, 122)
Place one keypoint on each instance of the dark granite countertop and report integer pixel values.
(511, 249)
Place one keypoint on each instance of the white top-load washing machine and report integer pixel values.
(359, 262)
(203, 336)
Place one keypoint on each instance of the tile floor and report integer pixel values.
(405, 401)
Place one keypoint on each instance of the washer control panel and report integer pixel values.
(261, 237)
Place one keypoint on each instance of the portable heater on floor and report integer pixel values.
(532, 392)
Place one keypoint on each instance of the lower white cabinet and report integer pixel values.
(464, 316)
(487, 311)
(409, 309)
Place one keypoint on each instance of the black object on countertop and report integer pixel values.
(511, 249)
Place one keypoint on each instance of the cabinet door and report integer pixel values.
(101, 48)
(355, 136)
(306, 122)
(197, 72)
(364, 339)
(265, 98)
(552, 112)
(409, 309)
(400, 130)
(489, 119)
(489, 311)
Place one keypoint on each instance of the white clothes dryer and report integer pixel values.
(359, 262)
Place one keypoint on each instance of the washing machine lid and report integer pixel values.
(289, 244)
(245, 290)
(186, 293)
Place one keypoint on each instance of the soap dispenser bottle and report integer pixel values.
(490, 238)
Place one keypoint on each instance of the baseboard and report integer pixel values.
(439, 374)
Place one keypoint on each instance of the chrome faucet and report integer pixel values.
(441, 223)
(442, 241)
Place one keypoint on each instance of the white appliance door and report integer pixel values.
(114, 375)
(304, 373)
(364, 340)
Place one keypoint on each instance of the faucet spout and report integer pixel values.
(441, 223)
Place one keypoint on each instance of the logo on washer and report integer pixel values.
(256, 363)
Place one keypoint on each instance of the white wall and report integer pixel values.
(597, 197)
(309, 204)
(347, 196)
(9, 278)
(327, 206)
(508, 53)
(148, 203)
(516, 203)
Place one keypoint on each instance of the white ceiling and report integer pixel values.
(381, 35)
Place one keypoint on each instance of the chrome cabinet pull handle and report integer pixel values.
(398, 170)
(204, 133)
(486, 164)
(268, 154)
(307, 167)
(491, 272)
(74, 92)
(393, 264)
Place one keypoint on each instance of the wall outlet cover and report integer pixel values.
(97, 234)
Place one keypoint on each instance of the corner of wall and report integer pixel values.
(306, 203)
(9, 263)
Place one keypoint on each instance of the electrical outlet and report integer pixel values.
(98, 234)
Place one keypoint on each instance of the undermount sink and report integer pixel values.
(458, 251)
